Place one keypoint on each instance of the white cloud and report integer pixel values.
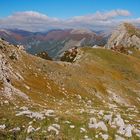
(103, 15)
(28, 20)
(35, 21)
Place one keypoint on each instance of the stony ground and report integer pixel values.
(96, 97)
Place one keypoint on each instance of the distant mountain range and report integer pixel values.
(55, 42)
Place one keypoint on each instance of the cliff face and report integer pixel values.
(125, 35)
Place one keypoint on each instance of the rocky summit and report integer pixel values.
(95, 95)
(126, 35)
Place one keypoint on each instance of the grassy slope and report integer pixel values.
(55, 85)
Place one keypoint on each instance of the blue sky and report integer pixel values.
(42, 15)
(67, 8)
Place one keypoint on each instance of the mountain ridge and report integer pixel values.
(126, 35)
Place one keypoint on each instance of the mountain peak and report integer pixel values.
(81, 31)
(126, 35)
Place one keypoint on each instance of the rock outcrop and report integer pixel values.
(126, 35)
(70, 55)
(44, 55)
(6, 71)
